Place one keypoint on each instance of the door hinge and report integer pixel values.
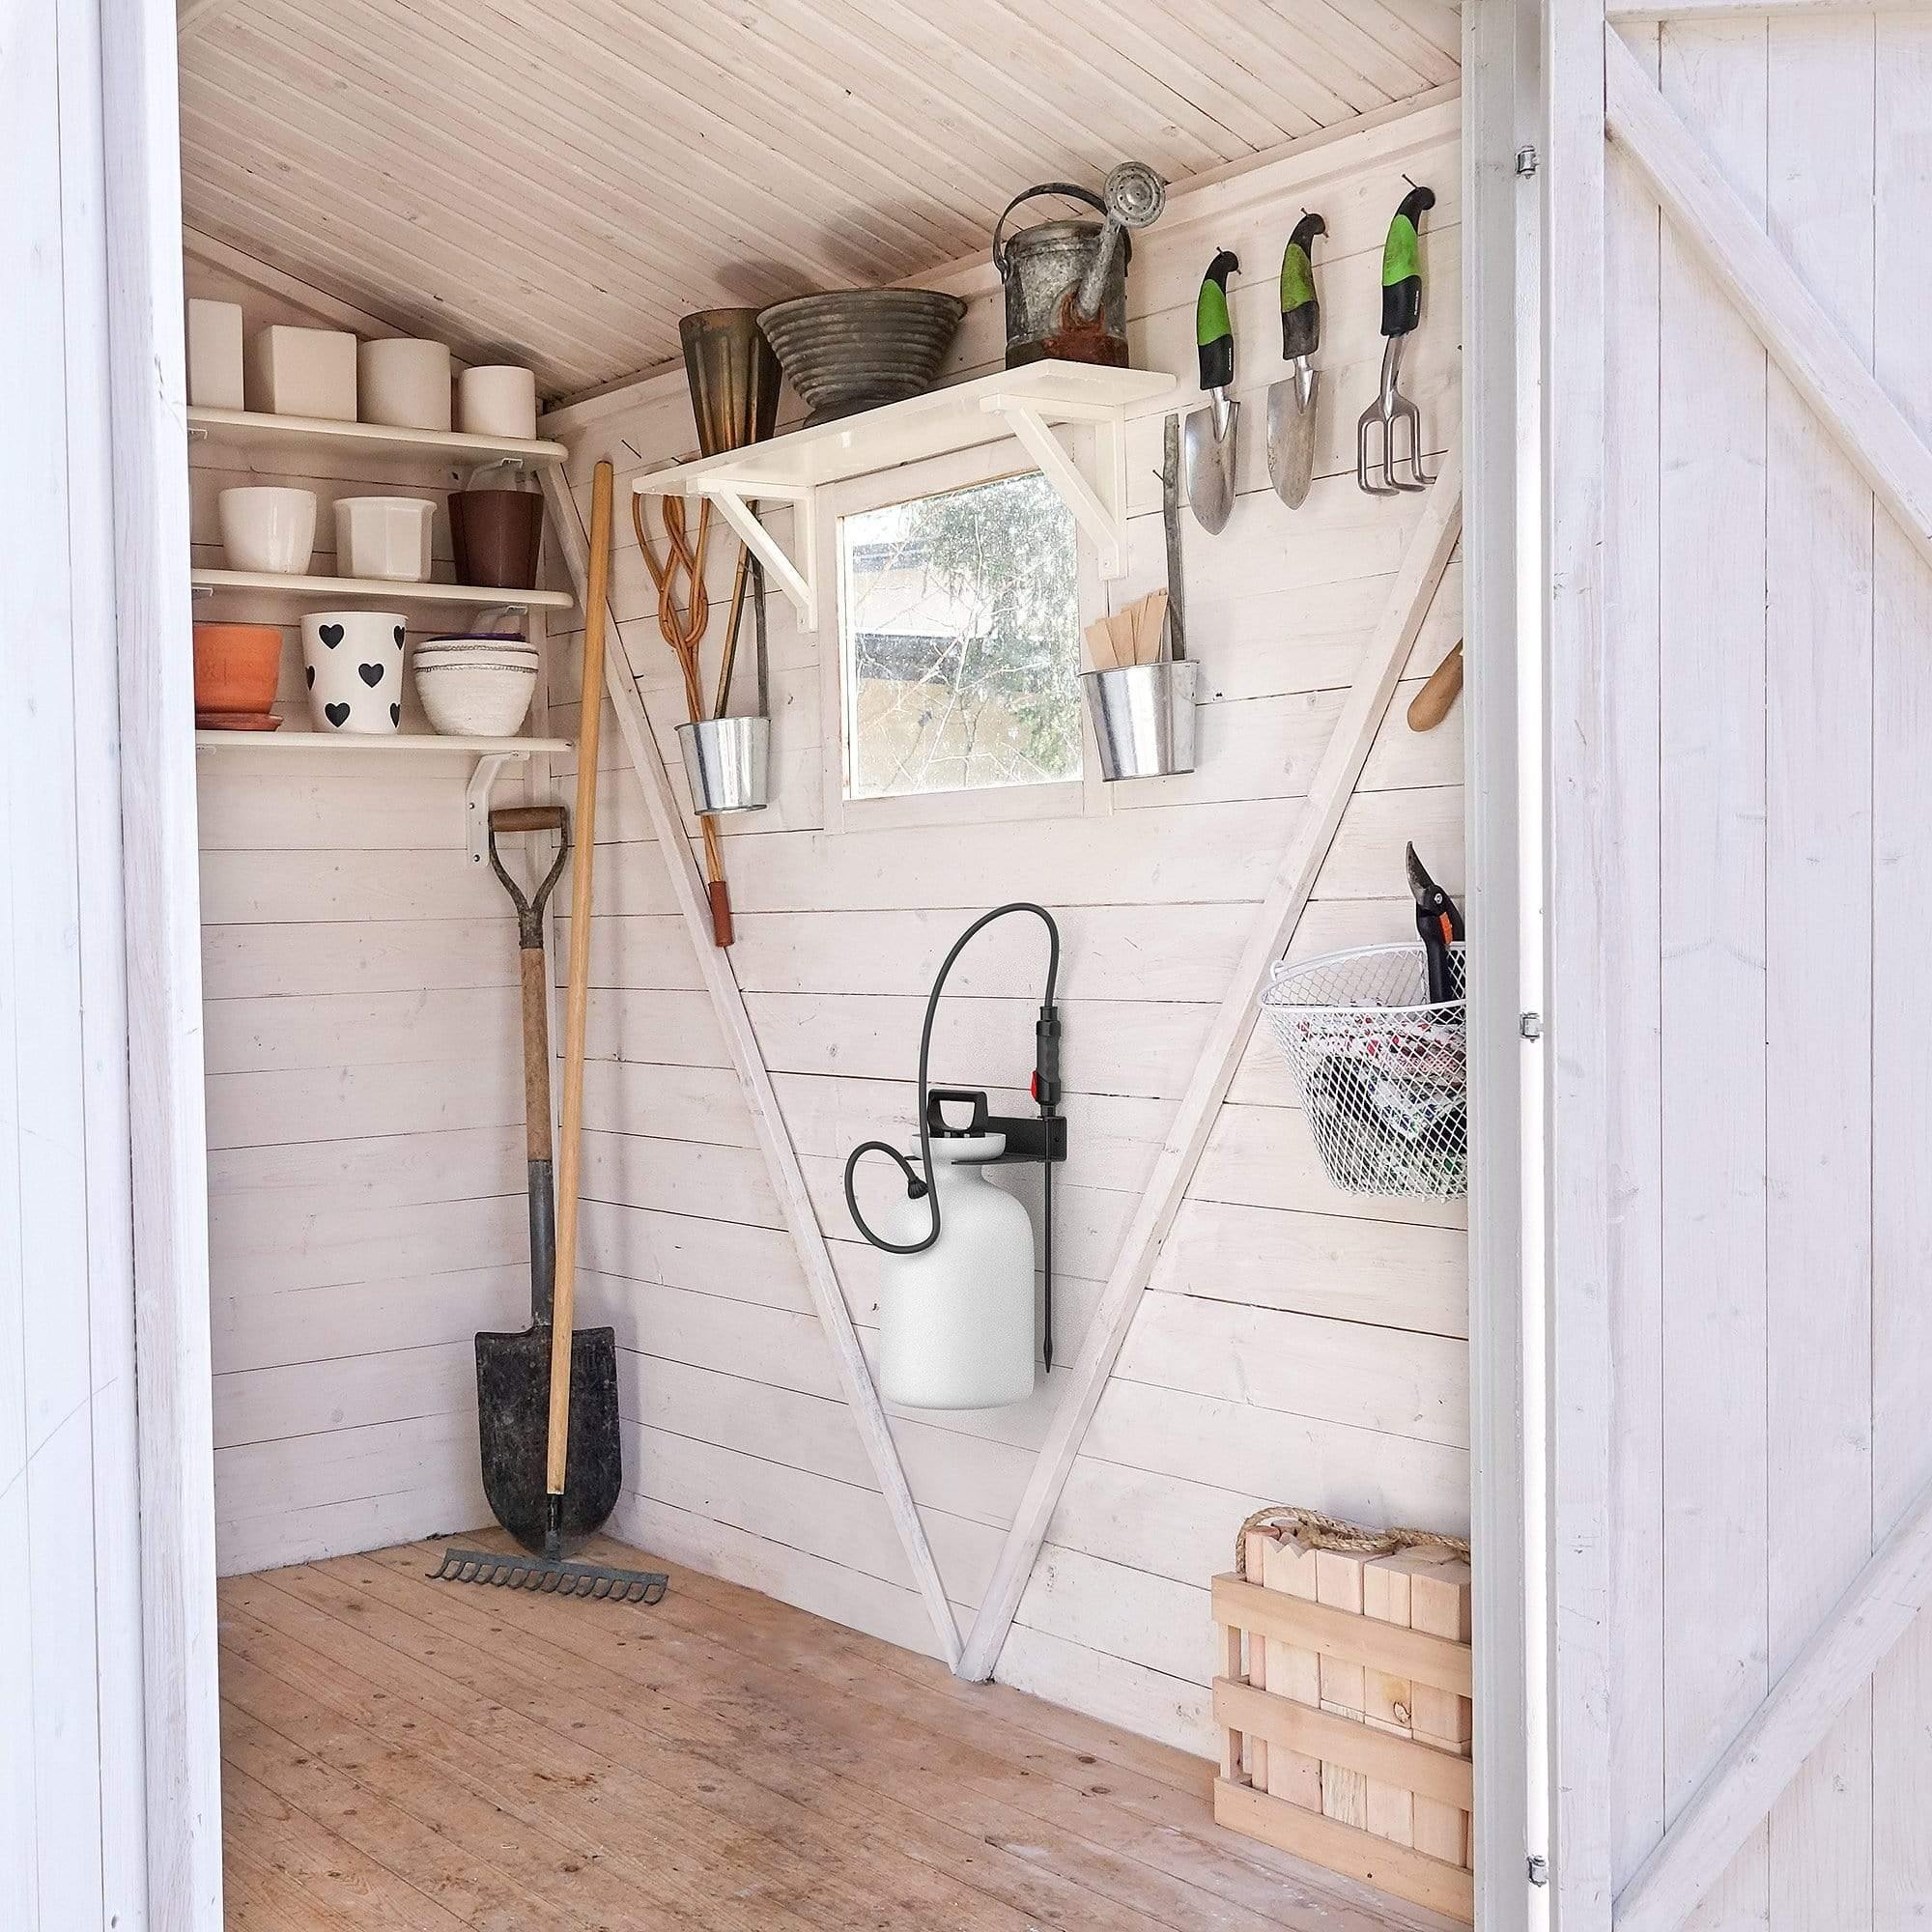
(1538, 1868)
(1526, 159)
(1530, 1025)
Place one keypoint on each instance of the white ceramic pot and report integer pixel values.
(214, 354)
(353, 662)
(404, 382)
(497, 399)
(477, 699)
(266, 526)
(302, 372)
(383, 536)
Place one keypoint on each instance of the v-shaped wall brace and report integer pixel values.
(1025, 404)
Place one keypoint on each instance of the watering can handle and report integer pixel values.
(1066, 188)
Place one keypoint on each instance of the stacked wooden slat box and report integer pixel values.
(1344, 1707)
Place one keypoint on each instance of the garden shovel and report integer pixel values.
(1210, 432)
(1292, 401)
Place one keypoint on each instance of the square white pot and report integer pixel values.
(383, 536)
(403, 381)
(496, 399)
(266, 527)
(214, 354)
(302, 372)
(352, 661)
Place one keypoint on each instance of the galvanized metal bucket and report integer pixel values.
(1143, 719)
(728, 763)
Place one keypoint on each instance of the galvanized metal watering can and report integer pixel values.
(1067, 281)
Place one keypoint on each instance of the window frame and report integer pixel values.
(972, 804)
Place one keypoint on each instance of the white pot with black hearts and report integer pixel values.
(353, 662)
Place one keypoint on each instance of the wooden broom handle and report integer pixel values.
(577, 995)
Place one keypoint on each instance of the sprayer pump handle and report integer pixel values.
(936, 1123)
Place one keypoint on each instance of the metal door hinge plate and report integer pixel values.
(1525, 160)
(1539, 1869)
(1530, 1026)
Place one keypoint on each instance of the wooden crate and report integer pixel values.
(1344, 1707)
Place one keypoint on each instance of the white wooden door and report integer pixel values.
(109, 1812)
(1739, 497)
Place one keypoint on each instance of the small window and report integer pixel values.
(960, 634)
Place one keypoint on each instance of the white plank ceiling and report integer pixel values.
(557, 181)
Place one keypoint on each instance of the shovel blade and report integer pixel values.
(1210, 467)
(1292, 439)
(513, 1417)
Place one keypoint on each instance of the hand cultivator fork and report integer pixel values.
(1401, 310)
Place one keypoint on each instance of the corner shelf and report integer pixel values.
(489, 754)
(239, 432)
(1022, 403)
(287, 593)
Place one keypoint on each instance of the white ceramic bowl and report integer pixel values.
(267, 528)
(383, 536)
(353, 662)
(404, 382)
(476, 701)
(496, 399)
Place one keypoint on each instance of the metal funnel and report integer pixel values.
(734, 376)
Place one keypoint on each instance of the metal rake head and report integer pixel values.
(550, 1577)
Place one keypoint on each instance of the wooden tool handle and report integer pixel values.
(527, 818)
(1430, 706)
(577, 998)
(719, 893)
(537, 1053)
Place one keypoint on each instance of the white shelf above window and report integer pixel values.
(487, 758)
(259, 588)
(232, 439)
(1025, 404)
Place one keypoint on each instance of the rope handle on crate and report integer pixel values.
(1331, 1532)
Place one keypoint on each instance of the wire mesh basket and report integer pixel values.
(1383, 1074)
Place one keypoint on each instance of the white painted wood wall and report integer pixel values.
(1296, 1344)
(366, 1196)
(1755, 1083)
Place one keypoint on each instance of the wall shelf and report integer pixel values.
(488, 756)
(291, 593)
(1025, 404)
(232, 438)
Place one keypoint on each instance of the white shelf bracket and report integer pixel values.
(1101, 513)
(483, 779)
(799, 585)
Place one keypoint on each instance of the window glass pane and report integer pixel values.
(959, 622)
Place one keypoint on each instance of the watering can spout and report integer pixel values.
(1134, 196)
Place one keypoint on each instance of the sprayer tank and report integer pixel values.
(957, 1324)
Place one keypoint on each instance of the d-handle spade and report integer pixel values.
(1291, 444)
(1211, 433)
(1401, 310)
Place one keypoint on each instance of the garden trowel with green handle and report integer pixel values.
(1211, 433)
(1292, 401)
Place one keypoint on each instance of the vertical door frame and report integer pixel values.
(1504, 143)
(141, 223)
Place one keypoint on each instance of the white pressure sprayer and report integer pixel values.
(956, 1294)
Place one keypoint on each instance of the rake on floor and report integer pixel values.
(550, 1577)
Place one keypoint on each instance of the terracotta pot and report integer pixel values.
(235, 667)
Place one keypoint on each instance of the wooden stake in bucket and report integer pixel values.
(515, 1397)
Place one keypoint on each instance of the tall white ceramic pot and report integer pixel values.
(958, 1322)
(353, 662)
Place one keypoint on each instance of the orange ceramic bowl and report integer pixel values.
(235, 667)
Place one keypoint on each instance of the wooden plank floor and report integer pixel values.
(423, 1757)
